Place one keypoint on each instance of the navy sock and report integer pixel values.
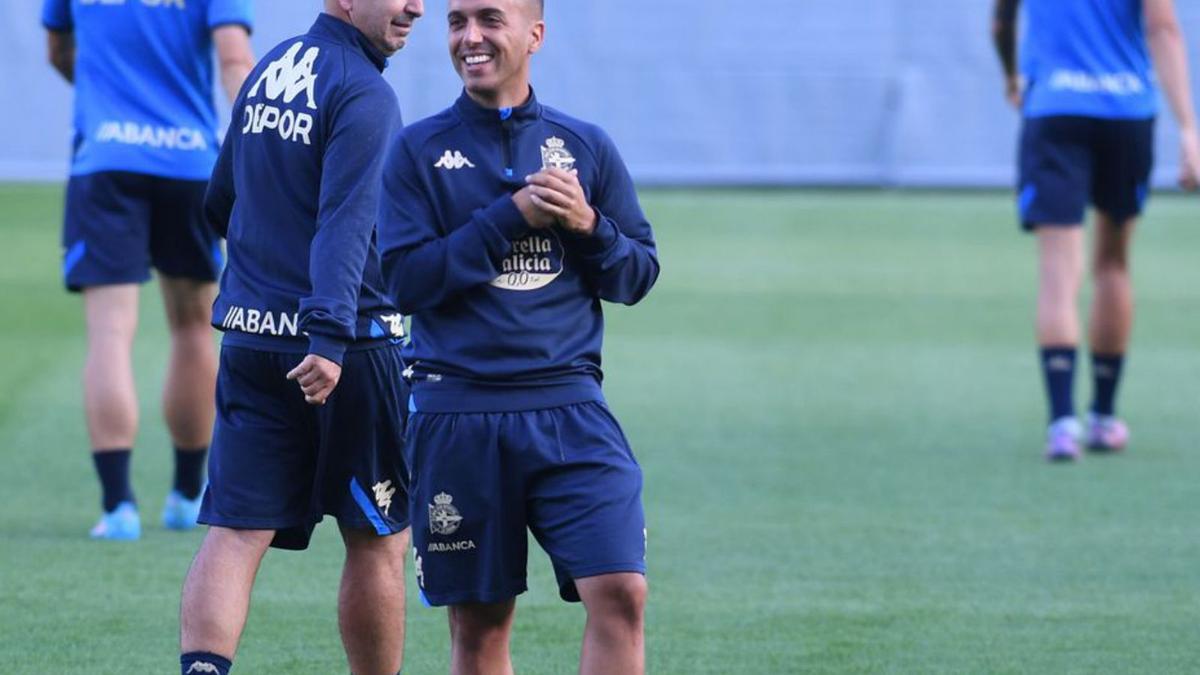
(1106, 374)
(189, 471)
(1058, 367)
(112, 466)
(206, 663)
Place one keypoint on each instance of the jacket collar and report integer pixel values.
(471, 111)
(335, 29)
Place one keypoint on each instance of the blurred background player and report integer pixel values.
(503, 224)
(1089, 99)
(310, 393)
(145, 143)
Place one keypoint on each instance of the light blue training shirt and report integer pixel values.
(1088, 58)
(144, 82)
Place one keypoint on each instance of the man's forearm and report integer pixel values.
(1004, 35)
(1170, 60)
(235, 57)
(61, 49)
(233, 75)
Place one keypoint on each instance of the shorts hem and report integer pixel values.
(1033, 225)
(206, 277)
(253, 523)
(364, 524)
(80, 285)
(1120, 215)
(614, 568)
(465, 597)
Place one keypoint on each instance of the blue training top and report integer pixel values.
(506, 318)
(295, 192)
(1089, 58)
(144, 82)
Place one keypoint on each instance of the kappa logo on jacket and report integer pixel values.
(285, 78)
(290, 78)
(453, 160)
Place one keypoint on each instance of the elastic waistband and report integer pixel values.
(459, 396)
(291, 345)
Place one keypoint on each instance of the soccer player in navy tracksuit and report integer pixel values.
(310, 391)
(145, 143)
(1089, 99)
(503, 224)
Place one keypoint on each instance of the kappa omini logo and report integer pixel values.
(453, 160)
(383, 495)
(202, 667)
(556, 156)
(289, 78)
(533, 262)
(284, 78)
(444, 519)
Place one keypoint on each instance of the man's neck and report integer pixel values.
(339, 14)
(513, 97)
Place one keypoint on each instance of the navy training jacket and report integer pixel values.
(295, 192)
(505, 317)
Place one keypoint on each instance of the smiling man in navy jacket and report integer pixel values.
(503, 224)
(310, 392)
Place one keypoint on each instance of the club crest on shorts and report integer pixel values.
(395, 324)
(444, 519)
(533, 262)
(556, 156)
(383, 495)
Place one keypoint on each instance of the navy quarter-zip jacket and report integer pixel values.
(506, 317)
(295, 192)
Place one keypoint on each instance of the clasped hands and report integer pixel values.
(555, 197)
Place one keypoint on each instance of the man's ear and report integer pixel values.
(538, 35)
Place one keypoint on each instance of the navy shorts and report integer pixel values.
(480, 479)
(120, 224)
(278, 463)
(1068, 162)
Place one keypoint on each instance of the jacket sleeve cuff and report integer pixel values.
(600, 240)
(504, 215)
(327, 347)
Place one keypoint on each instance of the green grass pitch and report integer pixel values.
(834, 398)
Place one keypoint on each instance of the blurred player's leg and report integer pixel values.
(613, 640)
(110, 402)
(1060, 272)
(216, 593)
(1111, 322)
(479, 637)
(1060, 268)
(371, 601)
(189, 391)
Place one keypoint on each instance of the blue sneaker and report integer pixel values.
(179, 512)
(120, 524)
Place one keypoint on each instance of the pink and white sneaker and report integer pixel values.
(1062, 440)
(1106, 433)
